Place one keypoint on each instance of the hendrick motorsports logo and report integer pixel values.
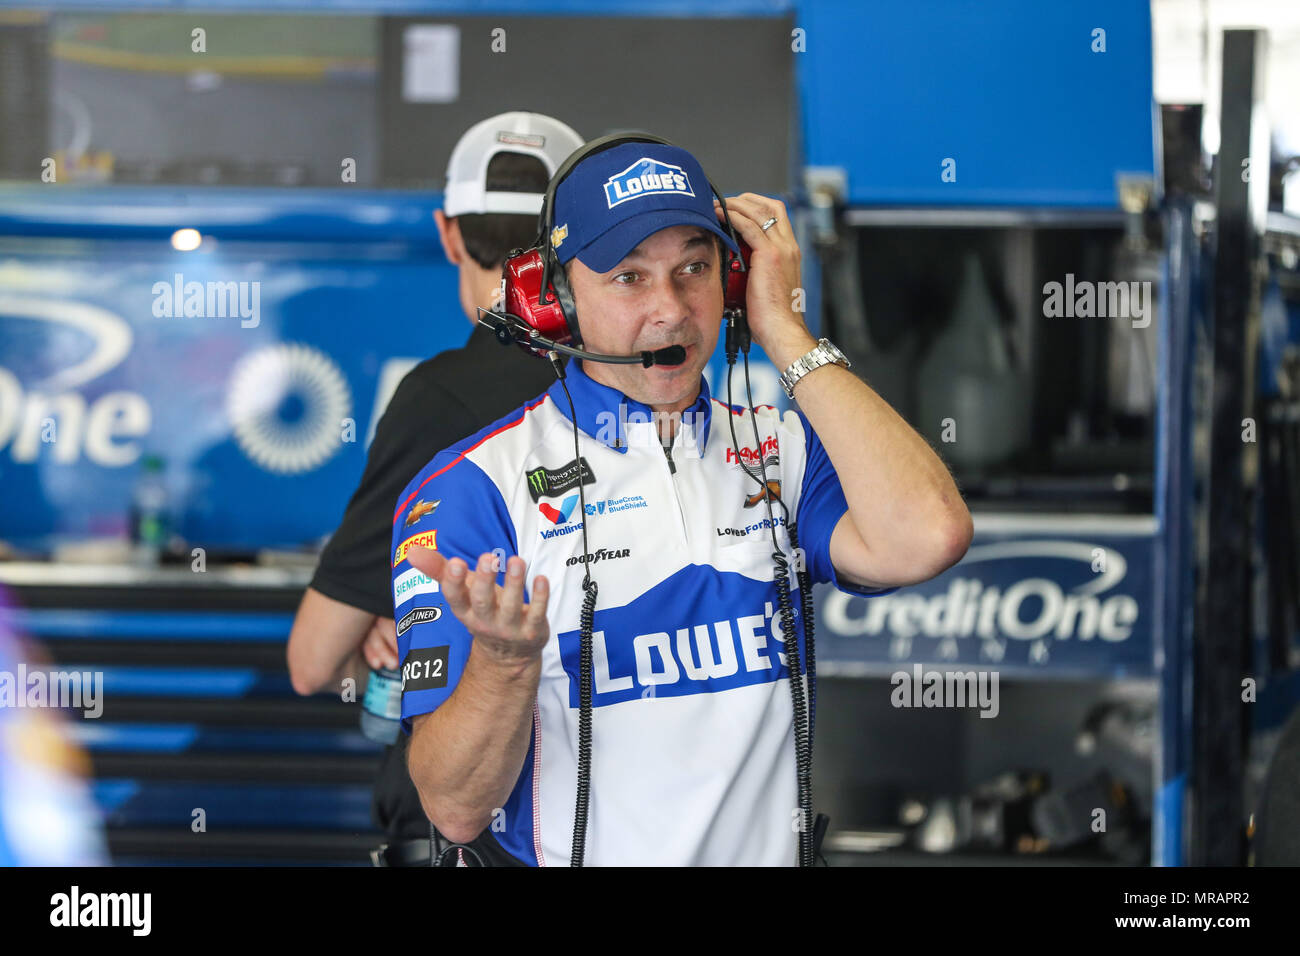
(286, 405)
(1038, 609)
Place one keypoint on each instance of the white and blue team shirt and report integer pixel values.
(692, 726)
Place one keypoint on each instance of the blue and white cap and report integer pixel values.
(613, 200)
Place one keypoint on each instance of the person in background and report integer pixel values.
(496, 178)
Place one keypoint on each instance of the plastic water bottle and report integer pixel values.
(381, 708)
(149, 526)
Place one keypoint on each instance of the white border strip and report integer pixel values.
(39, 574)
(1080, 524)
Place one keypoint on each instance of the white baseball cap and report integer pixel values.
(533, 134)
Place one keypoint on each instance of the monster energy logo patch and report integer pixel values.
(549, 482)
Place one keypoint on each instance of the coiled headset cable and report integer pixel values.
(738, 340)
(587, 619)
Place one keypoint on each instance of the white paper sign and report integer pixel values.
(431, 63)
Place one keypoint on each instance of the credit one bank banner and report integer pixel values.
(255, 366)
(260, 402)
(1069, 594)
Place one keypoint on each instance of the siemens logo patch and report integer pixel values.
(646, 177)
(410, 583)
(425, 668)
(421, 615)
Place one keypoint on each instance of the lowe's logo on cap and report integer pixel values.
(646, 177)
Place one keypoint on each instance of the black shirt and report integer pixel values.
(439, 402)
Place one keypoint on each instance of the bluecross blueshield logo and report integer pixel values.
(615, 505)
(646, 177)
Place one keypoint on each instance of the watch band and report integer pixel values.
(824, 354)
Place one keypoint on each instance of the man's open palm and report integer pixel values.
(505, 627)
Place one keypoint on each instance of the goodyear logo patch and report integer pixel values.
(646, 177)
(425, 539)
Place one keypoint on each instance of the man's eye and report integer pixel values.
(630, 277)
(695, 268)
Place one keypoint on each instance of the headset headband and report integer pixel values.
(546, 216)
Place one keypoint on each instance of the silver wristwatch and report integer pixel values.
(824, 354)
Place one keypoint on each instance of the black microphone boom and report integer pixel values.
(512, 330)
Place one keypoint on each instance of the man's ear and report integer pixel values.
(452, 242)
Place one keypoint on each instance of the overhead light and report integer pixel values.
(186, 240)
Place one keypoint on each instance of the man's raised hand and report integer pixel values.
(503, 626)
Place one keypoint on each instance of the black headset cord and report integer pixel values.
(587, 622)
(738, 339)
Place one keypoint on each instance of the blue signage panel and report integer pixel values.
(253, 371)
(957, 103)
(1068, 595)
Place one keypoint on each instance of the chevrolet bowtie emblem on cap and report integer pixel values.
(559, 234)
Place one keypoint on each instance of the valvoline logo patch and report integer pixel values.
(646, 177)
(560, 515)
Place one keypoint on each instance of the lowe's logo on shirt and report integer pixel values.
(681, 638)
(646, 177)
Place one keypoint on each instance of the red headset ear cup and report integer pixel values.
(523, 288)
(734, 280)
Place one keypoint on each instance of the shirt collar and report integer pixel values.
(611, 417)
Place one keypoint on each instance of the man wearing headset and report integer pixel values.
(691, 753)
